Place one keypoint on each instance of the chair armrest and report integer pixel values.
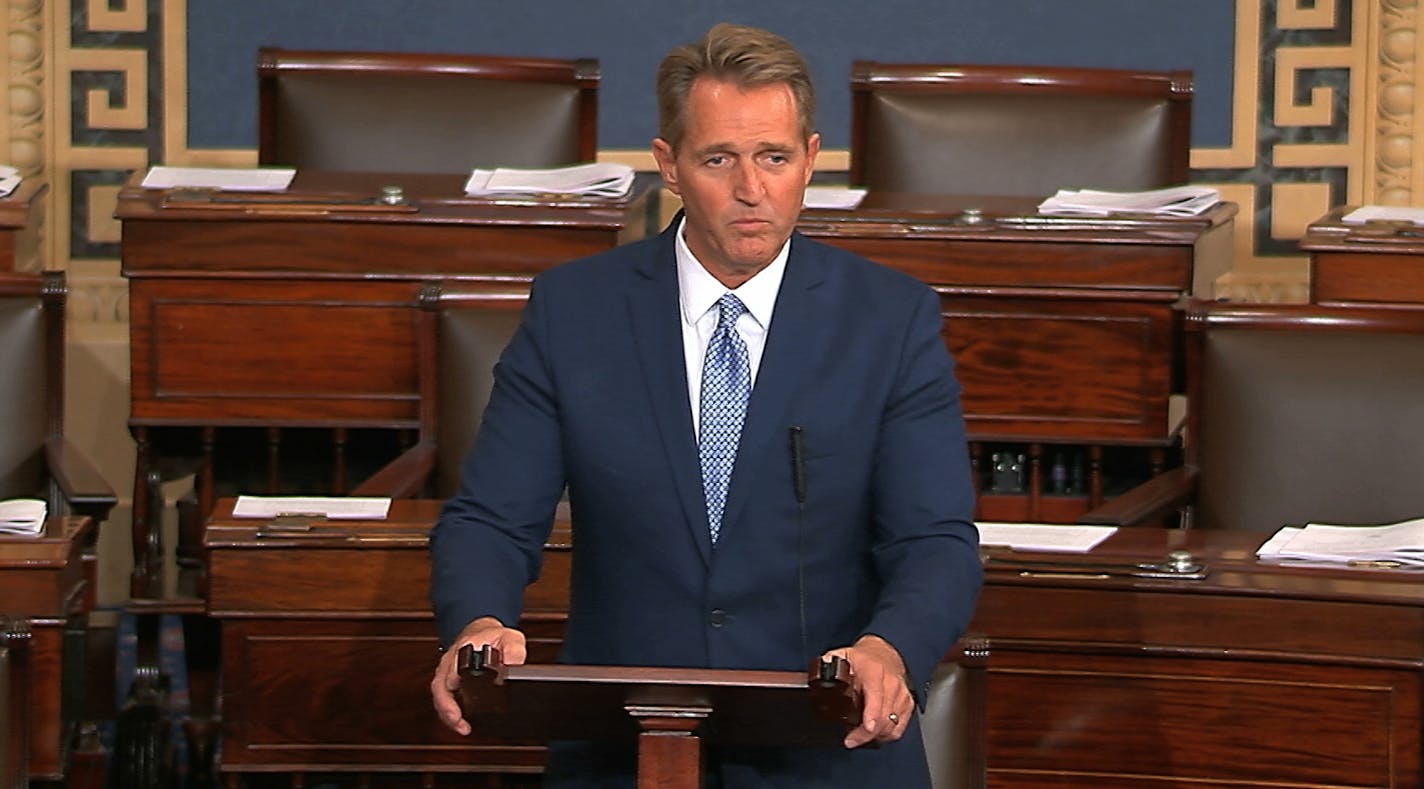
(406, 477)
(79, 481)
(1149, 502)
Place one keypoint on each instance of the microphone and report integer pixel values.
(798, 465)
(798, 487)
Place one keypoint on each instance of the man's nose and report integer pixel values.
(750, 187)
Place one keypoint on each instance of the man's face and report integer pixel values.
(741, 171)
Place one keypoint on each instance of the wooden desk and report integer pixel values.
(248, 312)
(329, 644)
(46, 583)
(1354, 264)
(1064, 329)
(1254, 676)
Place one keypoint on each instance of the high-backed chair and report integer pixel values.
(461, 336)
(1298, 413)
(416, 112)
(35, 457)
(1017, 130)
(954, 718)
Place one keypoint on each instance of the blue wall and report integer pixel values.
(629, 37)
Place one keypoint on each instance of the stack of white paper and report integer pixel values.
(22, 516)
(227, 179)
(1173, 201)
(9, 179)
(1384, 213)
(600, 179)
(1391, 544)
(1044, 536)
(843, 197)
(331, 507)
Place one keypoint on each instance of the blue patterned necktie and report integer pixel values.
(726, 385)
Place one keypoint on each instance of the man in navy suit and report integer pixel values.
(844, 527)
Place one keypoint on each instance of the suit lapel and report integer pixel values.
(653, 309)
(790, 350)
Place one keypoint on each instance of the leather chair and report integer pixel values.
(412, 112)
(461, 336)
(1299, 413)
(954, 718)
(35, 457)
(1017, 130)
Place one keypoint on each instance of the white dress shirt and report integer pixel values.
(699, 291)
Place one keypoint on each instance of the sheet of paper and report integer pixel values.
(227, 179)
(1384, 213)
(22, 516)
(599, 179)
(333, 507)
(833, 197)
(1172, 201)
(1058, 537)
(9, 179)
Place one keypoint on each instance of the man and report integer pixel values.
(827, 513)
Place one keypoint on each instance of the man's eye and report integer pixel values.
(716, 161)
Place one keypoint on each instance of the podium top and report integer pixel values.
(726, 706)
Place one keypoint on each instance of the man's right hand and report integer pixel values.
(445, 687)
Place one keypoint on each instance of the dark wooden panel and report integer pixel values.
(1028, 262)
(1198, 722)
(253, 349)
(1064, 369)
(1367, 276)
(302, 694)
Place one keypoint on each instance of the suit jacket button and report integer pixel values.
(718, 617)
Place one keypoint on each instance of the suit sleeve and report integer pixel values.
(926, 545)
(488, 543)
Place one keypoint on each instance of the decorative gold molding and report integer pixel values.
(24, 129)
(1395, 136)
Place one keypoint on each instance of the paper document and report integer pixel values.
(9, 179)
(1384, 213)
(1064, 537)
(252, 179)
(22, 516)
(833, 197)
(1173, 201)
(1391, 544)
(600, 179)
(333, 507)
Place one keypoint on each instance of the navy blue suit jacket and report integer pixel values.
(591, 394)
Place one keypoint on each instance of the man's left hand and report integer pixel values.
(879, 674)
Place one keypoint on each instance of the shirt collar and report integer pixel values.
(699, 290)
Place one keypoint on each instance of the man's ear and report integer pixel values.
(813, 147)
(667, 164)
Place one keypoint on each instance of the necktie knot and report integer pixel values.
(729, 308)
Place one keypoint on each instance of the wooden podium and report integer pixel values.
(670, 711)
